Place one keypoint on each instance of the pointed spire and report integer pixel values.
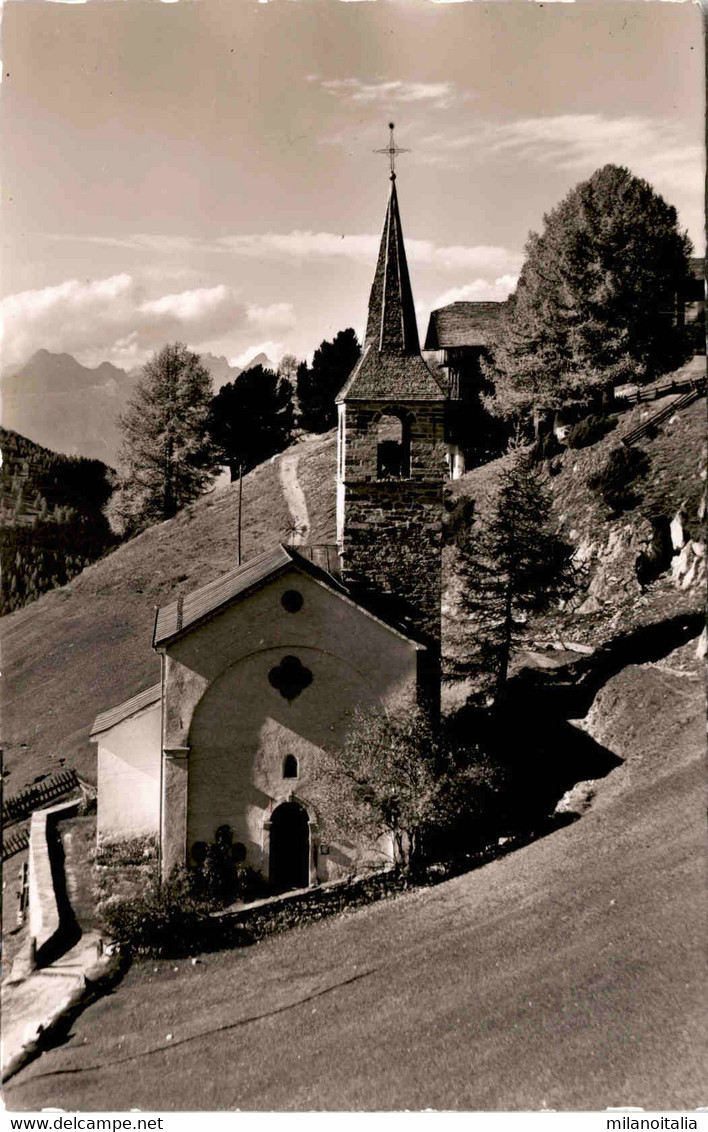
(391, 325)
(391, 367)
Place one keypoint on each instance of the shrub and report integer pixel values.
(589, 431)
(165, 920)
(175, 917)
(615, 482)
(127, 851)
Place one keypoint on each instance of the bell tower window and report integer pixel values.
(393, 447)
(290, 766)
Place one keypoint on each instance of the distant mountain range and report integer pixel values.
(58, 403)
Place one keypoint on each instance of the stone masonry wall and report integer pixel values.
(391, 527)
(393, 546)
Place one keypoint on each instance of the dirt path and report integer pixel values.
(295, 498)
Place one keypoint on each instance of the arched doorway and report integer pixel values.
(289, 865)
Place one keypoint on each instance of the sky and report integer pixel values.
(205, 172)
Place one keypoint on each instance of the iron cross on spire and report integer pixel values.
(392, 150)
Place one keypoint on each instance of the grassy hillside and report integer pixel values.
(86, 646)
(568, 975)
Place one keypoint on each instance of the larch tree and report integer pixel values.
(510, 565)
(595, 302)
(167, 458)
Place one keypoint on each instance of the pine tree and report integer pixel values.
(510, 565)
(167, 458)
(595, 300)
(317, 386)
(251, 418)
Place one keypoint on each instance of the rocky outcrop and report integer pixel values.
(626, 557)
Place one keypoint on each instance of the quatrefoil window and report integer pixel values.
(290, 677)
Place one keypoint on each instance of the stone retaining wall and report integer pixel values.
(45, 920)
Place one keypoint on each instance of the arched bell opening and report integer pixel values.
(393, 446)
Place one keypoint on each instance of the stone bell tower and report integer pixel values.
(391, 455)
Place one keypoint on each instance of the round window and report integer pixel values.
(291, 601)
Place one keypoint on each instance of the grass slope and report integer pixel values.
(86, 646)
(569, 975)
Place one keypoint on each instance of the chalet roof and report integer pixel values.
(110, 718)
(463, 324)
(391, 377)
(320, 562)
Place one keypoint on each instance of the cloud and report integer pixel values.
(113, 319)
(479, 291)
(193, 306)
(666, 147)
(275, 315)
(358, 248)
(302, 245)
(363, 248)
(663, 150)
(441, 94)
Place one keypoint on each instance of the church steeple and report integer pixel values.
(391, 325)
(391, 367)
(391, 457)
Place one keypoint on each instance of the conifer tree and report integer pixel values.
(319, 384)
(167, 458)
(251, 418)
(510, 564)
(595, 302)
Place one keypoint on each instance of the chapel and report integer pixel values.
(265, 666)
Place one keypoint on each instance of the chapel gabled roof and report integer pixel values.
(321, 563)
(391, 366)
(128, 708)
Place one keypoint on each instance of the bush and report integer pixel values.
(173, 918)
(166, 920)
(589, 431)
(616, 481)
(127, 851)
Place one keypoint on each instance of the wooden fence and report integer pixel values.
(665, 389)
(21, 805)
(662, 415)
(15, 843)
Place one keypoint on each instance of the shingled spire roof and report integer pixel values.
(391, 367)
(391, 325)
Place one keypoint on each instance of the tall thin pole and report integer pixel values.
(240, 507)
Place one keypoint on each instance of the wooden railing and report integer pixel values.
(21, 805)
(654, 392)
(15, 843)
(662, 415)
